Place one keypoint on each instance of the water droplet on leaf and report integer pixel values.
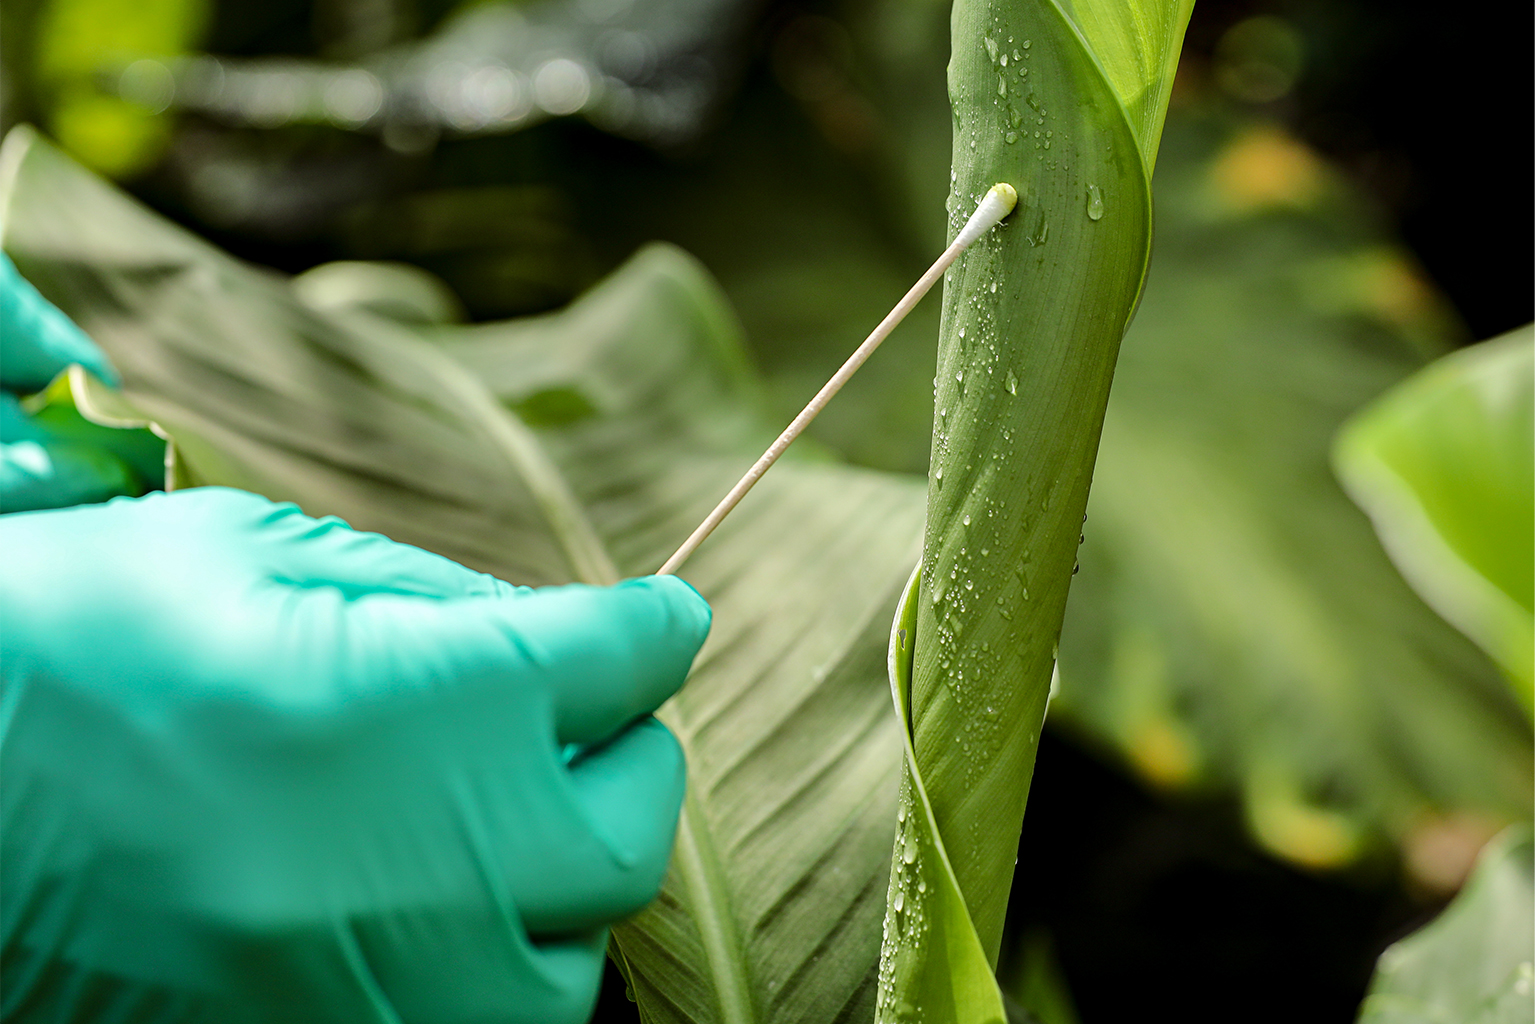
(1095, 203)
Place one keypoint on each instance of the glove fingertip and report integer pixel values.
(65, 343)
(685, 605)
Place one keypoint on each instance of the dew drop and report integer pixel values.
(909, 850)
(901, 812)
(966, 521)
(1009, 138)
(900, 901)
(1095, 203)
(1012, 383)
(991, 45)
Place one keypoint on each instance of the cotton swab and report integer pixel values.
(994, 206)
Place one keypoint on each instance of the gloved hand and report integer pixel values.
(42, 465)
(261, 767)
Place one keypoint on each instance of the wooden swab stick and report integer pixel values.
(994, 206)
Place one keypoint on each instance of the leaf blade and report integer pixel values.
(1472, 964)
(1442, 464)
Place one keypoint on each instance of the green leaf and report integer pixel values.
(1236, 627)
(932, 961)
(1032, 319)
(771, 908)
(1442, 464)
(1472, 964)
(65, 413)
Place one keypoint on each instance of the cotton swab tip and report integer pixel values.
(994, 206)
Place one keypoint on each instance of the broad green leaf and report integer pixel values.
(1236, 627)
(1472, 964)
(1442, 464)
(1032, 320)
(778, 879)
(777, 886)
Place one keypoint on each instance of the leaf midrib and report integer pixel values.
(694, 856)
(699, 867)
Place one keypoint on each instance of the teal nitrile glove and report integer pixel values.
(40, 468)
(261, 767)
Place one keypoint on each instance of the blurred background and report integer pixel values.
(1269, 758)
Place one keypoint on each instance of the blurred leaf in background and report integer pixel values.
(1473, 963)
(1030, 977)
(1443, 465)
(1235, 626)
